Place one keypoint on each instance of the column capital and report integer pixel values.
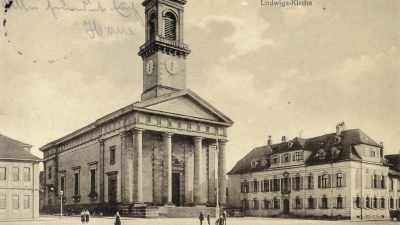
(167, 134)
(100, 140)
(137, 130)
(123, 134)
(198, 138)
(222, 141)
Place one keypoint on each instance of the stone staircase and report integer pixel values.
(186, 212)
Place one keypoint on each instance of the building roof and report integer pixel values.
(316, 145)
(11, 149)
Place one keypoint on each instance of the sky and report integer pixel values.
(279, 70)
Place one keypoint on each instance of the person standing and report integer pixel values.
(221, 219)
(208, 218)
(83, 216)
(201, 217)
(117, 219)
(87, 216)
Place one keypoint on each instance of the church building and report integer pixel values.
(158, 152)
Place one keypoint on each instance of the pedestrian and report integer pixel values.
(221, 219)
(201, 217)
(208, 218)
(87, 216)
(83, 216)
(117, 219)
(225, 215)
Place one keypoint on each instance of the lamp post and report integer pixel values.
(217, 186)
(61, 201)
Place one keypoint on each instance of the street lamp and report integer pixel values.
(217, 186)
(61, 200)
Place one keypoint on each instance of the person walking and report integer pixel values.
(201, 217)
(87, 216)
(221, 219)
(208, 218)
(225, 215)
(117, 219)
(83, 216)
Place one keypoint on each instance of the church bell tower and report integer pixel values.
(164, 52)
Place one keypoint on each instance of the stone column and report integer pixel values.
(222, 171)
(125, 177)
(138, 157)
(168, 164)
(198, 172)
(101, 171)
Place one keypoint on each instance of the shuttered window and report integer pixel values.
(170, 26)
(152, 26)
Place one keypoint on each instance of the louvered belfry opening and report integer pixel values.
(152, 26)
(170, 26)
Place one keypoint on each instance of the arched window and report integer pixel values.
(367, 203)
(357, 202)
(152, 25)
(375, 202)
(170, 26)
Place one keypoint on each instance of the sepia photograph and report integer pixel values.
(199, 112)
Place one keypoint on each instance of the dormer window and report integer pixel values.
(254, 164)
(337, 139)
(321, 154)
(335, 152)
(297, 156)
(286, 157)
(170, 26)
(275, 158)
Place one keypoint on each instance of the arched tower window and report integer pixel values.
(170, 26)
(152, 25)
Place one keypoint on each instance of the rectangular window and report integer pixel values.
(339, 178)
(255, 186)
(62, 184)
(49, 173)
(310, 182)
(324, 181)
(297, 183)
(27, 174)
(112, 155)
(311, 203)
(339, 202)
(26, 201)
(266, 185)
(92, 180)
(15, 202)
(3, 175)
(391, 184)
(275, 185)
(76, 186)
(15, 174)
(374, 181)
(324, 203)
(298, 157)
(2, 201)
(383, 186)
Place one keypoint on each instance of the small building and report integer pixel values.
(19, 180)
(340, 175)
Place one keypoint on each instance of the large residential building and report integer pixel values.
(157, 152)
(342, 174)
(19, 180)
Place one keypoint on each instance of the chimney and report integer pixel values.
(340, 127)
(27, 147)
(269, 142)
(381, 150)
(283, 139)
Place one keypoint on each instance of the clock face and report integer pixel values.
(172, 66)
(149, 67)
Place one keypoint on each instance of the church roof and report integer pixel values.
(184, 103)
(11, 149)
(349, 138)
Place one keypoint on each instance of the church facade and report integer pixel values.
(337, 175)
(160, 151)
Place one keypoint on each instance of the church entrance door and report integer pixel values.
(176, 193)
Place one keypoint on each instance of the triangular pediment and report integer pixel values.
(185, 103)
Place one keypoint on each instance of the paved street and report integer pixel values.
(52, 220)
